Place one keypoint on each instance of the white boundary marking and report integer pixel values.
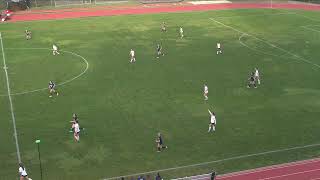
(10, 100)
(270, 44)
(290, 174)
(219, 160)
(59, 84)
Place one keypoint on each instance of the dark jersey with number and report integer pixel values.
(51, 85)
(158, 48)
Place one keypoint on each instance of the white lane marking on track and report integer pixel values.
(219, 160)
(270, 44)
(268, 168)
(59, 84)
(290, 174)
(5, 67)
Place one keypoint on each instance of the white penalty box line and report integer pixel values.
(264, 41)
(5, 67)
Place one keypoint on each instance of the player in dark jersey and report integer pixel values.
(252, 81)
(160, 144)
(163, 27)
(159, 51)
(52, 89)
(28, 34)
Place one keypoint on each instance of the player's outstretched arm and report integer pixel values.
(210, 112)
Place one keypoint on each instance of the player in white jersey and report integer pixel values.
(132, 56)
(23, 172)
(213, 121)
(256, 75)
(181, 32)
(219, 51)
(55, 49)
(205, 92)
(76, 130)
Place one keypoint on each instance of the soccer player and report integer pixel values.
(52, 89)
(256, 75)
(76, 131)
(213, 121)
(74, 119)
(132, 56)
(159, 51)
(205, 92)
(23, 172)
(55, 49)
(28, 34)
(219, 51)
(181, 32)
(252, 81)
(159, 142)
(163, 27)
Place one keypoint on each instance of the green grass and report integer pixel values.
(123, 105)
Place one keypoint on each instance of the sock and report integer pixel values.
(209, 128)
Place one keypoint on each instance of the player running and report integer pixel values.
(159, 51)
(23, 172)
(219, 51)
(76, 130)
(252, 81)
(159, 142)
(55, 49)
(256, 75)
(181, 32)
(205, 92)
(52, 89)
(28, 34)
(213, 121)
(132, 56)
(163, 27)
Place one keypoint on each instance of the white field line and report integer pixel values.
(219, 160)
(10, 101)
(290, 174)
(263, 52)
(311, 29)
(270, 44)
(268, 168)
(59, 84)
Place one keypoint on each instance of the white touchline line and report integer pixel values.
(270, 44)
(10, 100)
(285, 175)
(218, 161)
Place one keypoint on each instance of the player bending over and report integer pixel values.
(252, 81)
(159, 142)
(181, 32)
(163, 27)
(256, 75)
(55, 49)
(159, 51)
(28, 34)
(52, 89)
(23, 172)
(205, 92)
(219, 51)
(213, 121)
(132, 56)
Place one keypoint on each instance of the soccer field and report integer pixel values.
(123, 105)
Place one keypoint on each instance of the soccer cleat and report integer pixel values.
(50, 96)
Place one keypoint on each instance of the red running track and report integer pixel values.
(152, 9)
(302, 170)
